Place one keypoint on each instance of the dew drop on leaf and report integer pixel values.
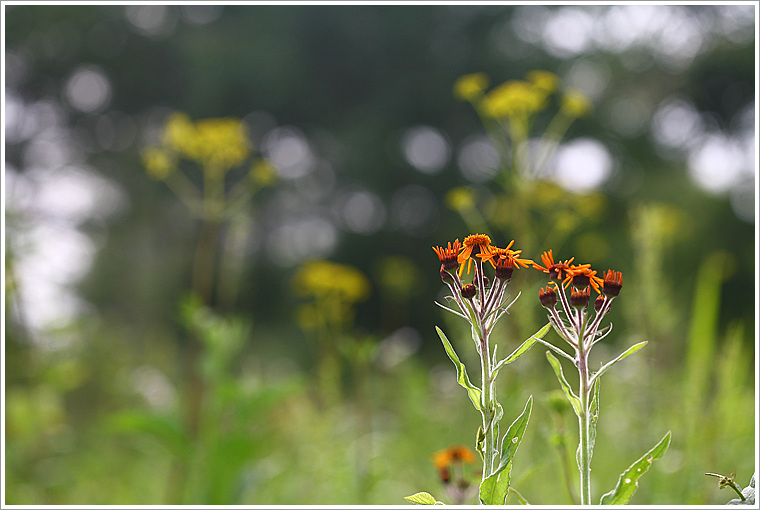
(627, 480)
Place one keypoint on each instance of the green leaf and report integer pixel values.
(629, 480)
(422, 498)
(594, 417)
(625, 354)
(574, 400)
(494, 489)
(462, 379)
(526, 345)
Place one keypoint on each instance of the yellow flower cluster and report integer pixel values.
(519, 99)
(322, 278)
(217, 143)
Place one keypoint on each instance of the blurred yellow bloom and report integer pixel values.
(263, 173)
(460, 198)
(544, 80)
(218, 143)
(575, 103)
(470, 86)
(158, 163)
(514, 99)
(322, 278)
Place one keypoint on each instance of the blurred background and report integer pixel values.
(241, 310)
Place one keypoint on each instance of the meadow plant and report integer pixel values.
(580, 329)
(482, 302)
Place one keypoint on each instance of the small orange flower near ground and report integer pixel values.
(452, 454)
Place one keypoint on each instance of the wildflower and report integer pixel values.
(321, 278)
(547, 297)
(504, 253)
(460, 199)
(575, 104)
(580, 298)
(472, 245)
(263, 173)
(581, 276)
(514, 99)
(158, 163)
(544, 80)
(216, 143)
(470, 86)
(556, 271)
(613, 282)
(447, 457)
(449, 255)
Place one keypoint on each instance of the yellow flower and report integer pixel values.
(544, 80)
(158, 163)
(263, 173)
(460, 199)
(514, 99)
(217, 144)
(322, 278)
(575, 103)
(470, 86)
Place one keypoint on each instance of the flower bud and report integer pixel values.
(613, 282)
(548, 298)
(598, 303)
(469, 291)
(580, 298)
(447, 276)
(580, 281)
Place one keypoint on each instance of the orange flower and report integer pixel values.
(613, 282)
(504, 253)
(448, 256)
(445, 458)
(473, 244)
(582, 275)
(556, 271)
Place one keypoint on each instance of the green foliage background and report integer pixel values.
(352, 79)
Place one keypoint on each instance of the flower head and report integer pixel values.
(613, 282)
(448, 256)
(580, 298)
(547, 297)
(470, 86)
(472, 245)
(581, 276)
(445, 458)
(557, 271)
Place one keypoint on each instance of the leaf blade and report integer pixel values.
(572, 397)
(625, 354)
(422, 498)
(524, 347)
(464, 381)
(629, 479)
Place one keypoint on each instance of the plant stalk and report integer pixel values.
(584, 461)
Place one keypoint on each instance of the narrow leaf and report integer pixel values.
(625, 354)
(422, 498)
(574, 400)
(594, 415)
(526, 345)
(494, 489)
(629, 480)
(462, 379)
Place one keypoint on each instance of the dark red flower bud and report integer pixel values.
(580, 298)
(598, 303)
(469, 291)
(504, 268)
(548, 298)
(613, 282)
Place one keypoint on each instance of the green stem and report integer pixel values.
(584, 464)
(488, 410)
